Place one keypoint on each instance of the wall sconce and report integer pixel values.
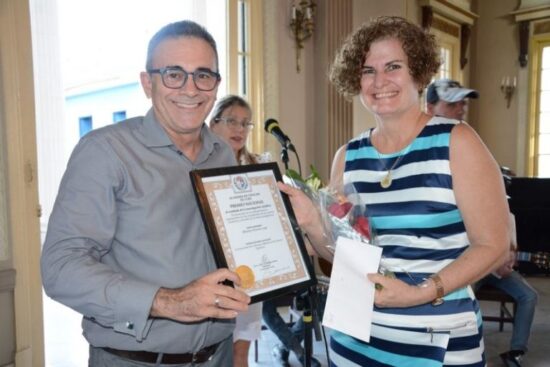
(508, 86)
(301, 25)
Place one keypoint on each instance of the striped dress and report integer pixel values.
(420, 229)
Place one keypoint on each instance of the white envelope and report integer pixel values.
(350, 297)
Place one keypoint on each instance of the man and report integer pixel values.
(126, 246)
(446, 98)
(511, 282)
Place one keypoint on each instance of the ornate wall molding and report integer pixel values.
(531, 10)
(465, 32)
(524, 15)
(523, 42)
(454, 12)
(541, 27)
(445, 27)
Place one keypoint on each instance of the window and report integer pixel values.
(539, 142)
(85, 125)
(245, 60)
(445, 70)
(119, 116)
(110, 87)
(447, 34)
(238, 44)
(243, 47)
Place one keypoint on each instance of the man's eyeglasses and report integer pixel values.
(234, 124)
(174, 77)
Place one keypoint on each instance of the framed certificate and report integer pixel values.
(252, 229)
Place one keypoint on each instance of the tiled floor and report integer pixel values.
(65, 347)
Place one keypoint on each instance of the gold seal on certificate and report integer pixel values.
(252, 229)
(247, 276)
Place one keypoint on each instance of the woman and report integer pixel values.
(231, 120)
(435, 197)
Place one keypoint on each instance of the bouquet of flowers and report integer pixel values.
(344, 215)
(342, 211)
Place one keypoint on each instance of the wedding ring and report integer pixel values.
(217, 302)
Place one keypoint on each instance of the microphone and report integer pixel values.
(272, 127)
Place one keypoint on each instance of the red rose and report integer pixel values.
(362, 226)
(339, 210)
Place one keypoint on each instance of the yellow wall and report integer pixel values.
(495, 51)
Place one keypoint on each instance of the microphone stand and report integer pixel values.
(309, 314)
(284, 156)
(285, 159)
(311, 323)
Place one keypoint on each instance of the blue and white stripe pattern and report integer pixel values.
(420, 229)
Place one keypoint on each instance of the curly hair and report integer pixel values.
(419, 46)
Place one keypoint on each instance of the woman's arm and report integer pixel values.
(479, 191)
(337, 169)
(309, 219)
(308, 215)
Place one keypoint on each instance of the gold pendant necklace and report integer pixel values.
(387, 180)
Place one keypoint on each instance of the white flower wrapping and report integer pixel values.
(344, 215)
(341, 210)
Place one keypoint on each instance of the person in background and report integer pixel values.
(511, 282)
(232, 121)
(126, 245)
(447, 98)
(434, 194)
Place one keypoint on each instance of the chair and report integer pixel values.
(489, 293)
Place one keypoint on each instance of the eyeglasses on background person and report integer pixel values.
(235, 124)
(174, 77)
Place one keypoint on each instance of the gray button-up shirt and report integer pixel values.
(125, 222)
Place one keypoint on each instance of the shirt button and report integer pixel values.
(129, 325)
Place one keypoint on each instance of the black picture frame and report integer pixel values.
(209, 182)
